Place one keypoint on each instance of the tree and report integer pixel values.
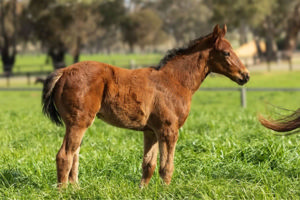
(284, 22)
(241, 14)
(50, 21)
(185, 20)
(112, 13)
(8, 26)
(82, 29)
(141, 28)
(293, 27)
(63, 27)
(264, 18)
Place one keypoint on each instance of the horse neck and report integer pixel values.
(189, 70)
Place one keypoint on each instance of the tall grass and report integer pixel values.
(222, 152)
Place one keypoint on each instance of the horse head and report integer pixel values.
(223, 60)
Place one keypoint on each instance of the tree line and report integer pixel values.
(71, 26)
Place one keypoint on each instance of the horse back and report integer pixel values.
(125, 98)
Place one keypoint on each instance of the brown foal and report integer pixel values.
(155, 100)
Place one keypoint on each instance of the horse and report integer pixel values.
(154, 100)
(289, 123)
(39, 80)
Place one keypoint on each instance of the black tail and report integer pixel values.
(49, 108)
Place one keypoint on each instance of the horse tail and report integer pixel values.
(49, 108)
(288, 123)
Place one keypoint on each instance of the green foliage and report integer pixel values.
(36, 63)
(111, 12)
(235, 13)
(185, 20)
(141, 28)
(222, 152)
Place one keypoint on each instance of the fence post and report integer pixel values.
(7, 80)
(243, 97)
(268, 66)
(290, 64)
(132, 64)
(28, 78)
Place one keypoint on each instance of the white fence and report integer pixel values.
(243, 91)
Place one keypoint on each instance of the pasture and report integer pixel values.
(222, 151)
(40, 62)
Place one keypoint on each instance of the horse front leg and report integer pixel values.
(167, 142)
(150, 157)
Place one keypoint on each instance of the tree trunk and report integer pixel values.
(259, 50)
(8, 61)
(271, 47)
(8, 51)
(58, 58)
(271, 51)
(76, 53)
(108, 50)
(243, 34)
(292, 33)
(76, 58)
(131, 48)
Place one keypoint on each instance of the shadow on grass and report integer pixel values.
(253, 163)
(15, 178)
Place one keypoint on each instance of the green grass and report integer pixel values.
(38, 62)
(258, 79)
(222, 152)
(26, 63)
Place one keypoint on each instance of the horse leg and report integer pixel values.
(65, 156)
(73, 176)
(150, 157)
(167, 141)
(77, 109)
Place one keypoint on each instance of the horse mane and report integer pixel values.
(179, 51)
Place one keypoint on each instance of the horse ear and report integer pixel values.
(216, 31)
(224, 30)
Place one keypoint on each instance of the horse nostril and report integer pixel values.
(246, 76)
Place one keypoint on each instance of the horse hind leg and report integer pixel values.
(67, 157)
(78, 116)
(73, 175)
(150, 157)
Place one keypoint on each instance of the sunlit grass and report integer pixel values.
(222, 151)
(40, 62)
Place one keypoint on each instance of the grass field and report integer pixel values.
(37, 63)
(26, 63)
(222, 151)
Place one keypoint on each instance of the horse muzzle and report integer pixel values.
(244, 78)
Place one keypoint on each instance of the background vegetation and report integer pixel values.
(60, 27)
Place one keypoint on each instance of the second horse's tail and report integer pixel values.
(288, 123)
(49, 108)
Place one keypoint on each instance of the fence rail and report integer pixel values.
(243, 91)
(15, 89)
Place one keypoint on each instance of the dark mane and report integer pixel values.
(179, 51)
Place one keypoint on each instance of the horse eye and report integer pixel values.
(226, 53)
